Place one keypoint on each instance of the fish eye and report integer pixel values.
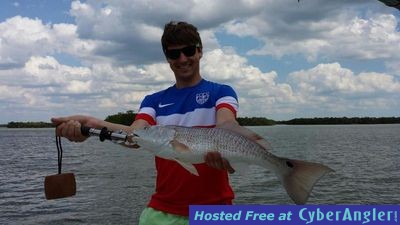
(289, 164)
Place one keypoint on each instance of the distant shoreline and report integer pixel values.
(342, 121)
(27, 125)
(128, 117)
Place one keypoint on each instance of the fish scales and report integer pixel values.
(188, 145)
(231, 145)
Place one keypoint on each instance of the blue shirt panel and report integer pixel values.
(180, 101)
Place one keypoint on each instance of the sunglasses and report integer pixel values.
(176, 53)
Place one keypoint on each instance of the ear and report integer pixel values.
(200, 52)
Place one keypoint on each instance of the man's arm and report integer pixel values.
(214, 159)
(224, 116)
(70, 127)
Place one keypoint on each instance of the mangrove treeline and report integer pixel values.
(28, 125)
(342, 120)
(127, 118)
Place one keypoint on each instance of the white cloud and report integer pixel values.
(47, 70)
(252, 85)
(320, 35)
(14, 98)
(332, 80)
(44, 82)
(7, 93)
(128, 26)
(118, 46)
(22, 37)
(106, 88)
(329, 88)
(107, 103)
(76, 86)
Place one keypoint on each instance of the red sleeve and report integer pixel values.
(145, 117)
(228, 106)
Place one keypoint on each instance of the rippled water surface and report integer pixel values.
(114, 183)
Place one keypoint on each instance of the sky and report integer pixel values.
(285, 59)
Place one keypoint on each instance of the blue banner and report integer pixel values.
(293, 214)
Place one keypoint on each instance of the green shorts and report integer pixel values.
(151, 216)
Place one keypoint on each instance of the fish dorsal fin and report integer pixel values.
(189, 167)
(236, 128)
(179, 147)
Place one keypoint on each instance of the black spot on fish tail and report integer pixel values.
(289, 164)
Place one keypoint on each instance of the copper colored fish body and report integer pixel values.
(187, 146)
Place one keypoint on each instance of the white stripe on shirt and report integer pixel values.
(228, 100)
(198, 117)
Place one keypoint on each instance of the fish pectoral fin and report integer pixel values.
(179, 147)
(182, 148)
(189, 167)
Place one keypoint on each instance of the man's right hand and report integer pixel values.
(70, 127)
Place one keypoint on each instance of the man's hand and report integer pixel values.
(215, 160)
(70, 127)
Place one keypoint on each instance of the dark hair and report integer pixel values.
(180, 33)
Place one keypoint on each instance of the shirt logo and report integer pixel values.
(202, 98)
(164, 105)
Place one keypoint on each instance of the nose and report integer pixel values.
(182, 57)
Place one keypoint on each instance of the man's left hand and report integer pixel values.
(215, 160)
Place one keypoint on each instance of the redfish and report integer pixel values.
(188, 145)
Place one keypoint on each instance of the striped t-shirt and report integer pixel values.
(195, 106)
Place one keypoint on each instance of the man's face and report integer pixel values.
(184, 65)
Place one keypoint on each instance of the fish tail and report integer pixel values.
(299, 178)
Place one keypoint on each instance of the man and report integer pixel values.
(192, 101)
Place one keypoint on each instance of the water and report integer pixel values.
(114, 183)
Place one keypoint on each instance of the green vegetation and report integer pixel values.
(342, 120)
(255, 121)
(128, 117)
(29, 125)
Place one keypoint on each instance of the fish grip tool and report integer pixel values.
(59, 185)
(118, 137)
(104, 134)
